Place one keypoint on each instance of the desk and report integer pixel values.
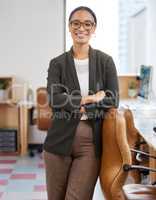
(144, 113)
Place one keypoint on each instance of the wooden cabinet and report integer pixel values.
(16, 117)
(9, 123)
(13, 116)
(9, 117)
(9, 127)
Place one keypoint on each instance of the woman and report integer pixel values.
(82, 85)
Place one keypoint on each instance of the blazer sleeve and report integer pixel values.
(111, 90)
(112, 87)
(58, 96)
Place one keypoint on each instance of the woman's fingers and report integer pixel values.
(99, 95)
(87, 99)
(82, 109)
(93, 98)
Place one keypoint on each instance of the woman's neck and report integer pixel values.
(80, 51)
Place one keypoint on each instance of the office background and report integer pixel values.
(32, 32)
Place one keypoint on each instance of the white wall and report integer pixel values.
(151, 37)
(142, 43)
(31, 33)
(137, 45)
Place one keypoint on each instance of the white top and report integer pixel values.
(82, 69)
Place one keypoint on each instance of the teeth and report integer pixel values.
(80, 35)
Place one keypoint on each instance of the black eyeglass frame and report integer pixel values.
(82, 24)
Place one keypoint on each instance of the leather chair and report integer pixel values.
(44, 112)
(116, 157)
(115, 153)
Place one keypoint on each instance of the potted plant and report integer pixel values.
(3, 86)
(132, 89)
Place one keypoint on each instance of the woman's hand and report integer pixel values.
(99, 96)
(87, 99)
(82, 109)
(93, 98)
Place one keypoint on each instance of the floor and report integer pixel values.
(23, 178)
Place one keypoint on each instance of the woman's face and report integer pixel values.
(81, 27)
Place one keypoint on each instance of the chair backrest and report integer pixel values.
(134, 138)
(44, 112)
(133, 135)
(115, 153)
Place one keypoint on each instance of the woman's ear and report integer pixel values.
(93, 30)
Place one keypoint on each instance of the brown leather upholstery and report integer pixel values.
(115, 154)
(133, 137)
(44, 112)
(132, 132)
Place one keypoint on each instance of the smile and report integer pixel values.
(81, 35)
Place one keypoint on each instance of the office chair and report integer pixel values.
(115, 154)
(44, 111)
(116, 162)
(44, 114)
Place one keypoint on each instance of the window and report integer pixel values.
(127, 9)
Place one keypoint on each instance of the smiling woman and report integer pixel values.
(82, 85)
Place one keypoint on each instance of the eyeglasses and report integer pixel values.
(87, 25)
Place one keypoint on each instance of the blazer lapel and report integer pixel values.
(72, 70)
(92, 70)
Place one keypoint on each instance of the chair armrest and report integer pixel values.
(143, 153)
(127, 167)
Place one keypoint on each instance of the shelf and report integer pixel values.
(14, 115)
(9, 118)
(9, 83)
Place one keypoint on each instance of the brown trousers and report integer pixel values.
(73, 177)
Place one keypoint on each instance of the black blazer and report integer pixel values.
(65, 97)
